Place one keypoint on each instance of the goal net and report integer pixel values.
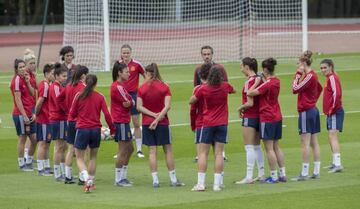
(173, 31)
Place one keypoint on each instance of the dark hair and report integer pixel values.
(204, 70)
(80, 70)
(16, 64)
(215, 76)
(59, 69)
(48, 68)
(126, 46)
(154, 70)
(251, 63)
(91, 81)
(269, 64)
(65, 50)
(118, 67)
(306, 57)
(207, 47)
(329, 62)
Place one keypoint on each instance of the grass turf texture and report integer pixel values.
(27, 190)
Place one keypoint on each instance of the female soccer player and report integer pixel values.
(153, 101)
(131, 86)
(270, 120)
(43, 132)
(332, 108)
(214, 130)
(58, 123)
(308, 88)
(22, 113)
(121, 104)
(65, 100)
(86, 108)
(249, 111)
(67, 56)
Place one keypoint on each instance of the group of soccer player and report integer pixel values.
(65, 108)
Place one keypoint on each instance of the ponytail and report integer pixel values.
(91, 81)
(118, 67)
(154, 71)
(80, 70)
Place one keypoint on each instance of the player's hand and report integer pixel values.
(241, 112)
(33, 118)
(126, 104)
(26, 119)
(156, 115)
(153, 125)
(27, 77)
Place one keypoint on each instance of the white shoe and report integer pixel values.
(140, 154)
(259, 178)
(115, 156)
(198, 188)
(217, 188)
(245, 181)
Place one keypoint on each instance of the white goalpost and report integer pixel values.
(172, 31)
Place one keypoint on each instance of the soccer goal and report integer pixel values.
(172, 31)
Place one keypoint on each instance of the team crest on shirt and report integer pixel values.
(132, 68)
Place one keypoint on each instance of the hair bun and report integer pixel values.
(28, 51)
(308, 54)
(57, 65)
(272, 61)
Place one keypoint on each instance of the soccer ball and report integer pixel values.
(105, 133)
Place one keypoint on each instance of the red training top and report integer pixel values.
(196, 112)
(197, 80)
(135, 69)
(270, 110)
(332, 95)
(252, 112)
(55, 112)
(119, 95)
(43, 116)
(18, 84)
(66, 97)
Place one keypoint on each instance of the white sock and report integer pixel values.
(85, 175)
(305, 169)
(336, 159)
(62, 168)
(118, 174)
(21, 161)
(172, 175)
(155, 177)
(29, 159)
(40, 165)
(92, 178)
(124, 173)
(26, 153)
(259, 160)
(81, 177)
(57, 172)
(47, 163)
(68, 172)
(223, 153)
(274, 175)
(317, 168)
(201, 178)
(217, 179)
(222, 178)
(138, 144)
(282, 172)
(250, 161)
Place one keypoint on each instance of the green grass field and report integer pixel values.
(340, 190)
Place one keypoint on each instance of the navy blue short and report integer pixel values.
(271, 130)
(58, 129)
(134, 111)
(210, 135)
(197, 135)
(251, 122)
(43, 132)
(336, 120)
(71, 132)
(87, 137)
(123, 132)
(160, 136)
(21, 128)
(309, 121)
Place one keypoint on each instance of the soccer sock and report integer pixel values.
(250, 161)
(29, 159)
(26, 153)
(138, 144)
(124, 173)
(259, 156)
(201, 178)
(336, 159)
(118, 174)
(317, 168)
(172, 175)
(305, 169)
(92, 178)
(81, 178)
(57, 172)
(217, 179)
(222, 178)
(282, 172)
(155, 177)
(68, 172)
(40, 165)
(223, 153)
(84, 174)
(62, 168)
(21, 161)
(274, 175)
(47, 163)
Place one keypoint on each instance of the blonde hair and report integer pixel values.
(29, 54)
(306, 57)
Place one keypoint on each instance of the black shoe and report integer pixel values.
(69, 181)
(81, 183)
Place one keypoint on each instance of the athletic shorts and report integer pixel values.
(43, 132)
(160, 136)
(21, 128)
(197, 135)
(71, 132)
(336, 120)
(309, 121)
(133, 110)
(251, 122)
(87, 137)
(58, 129)
(210, 135)
(271, 130)
(123, 132)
